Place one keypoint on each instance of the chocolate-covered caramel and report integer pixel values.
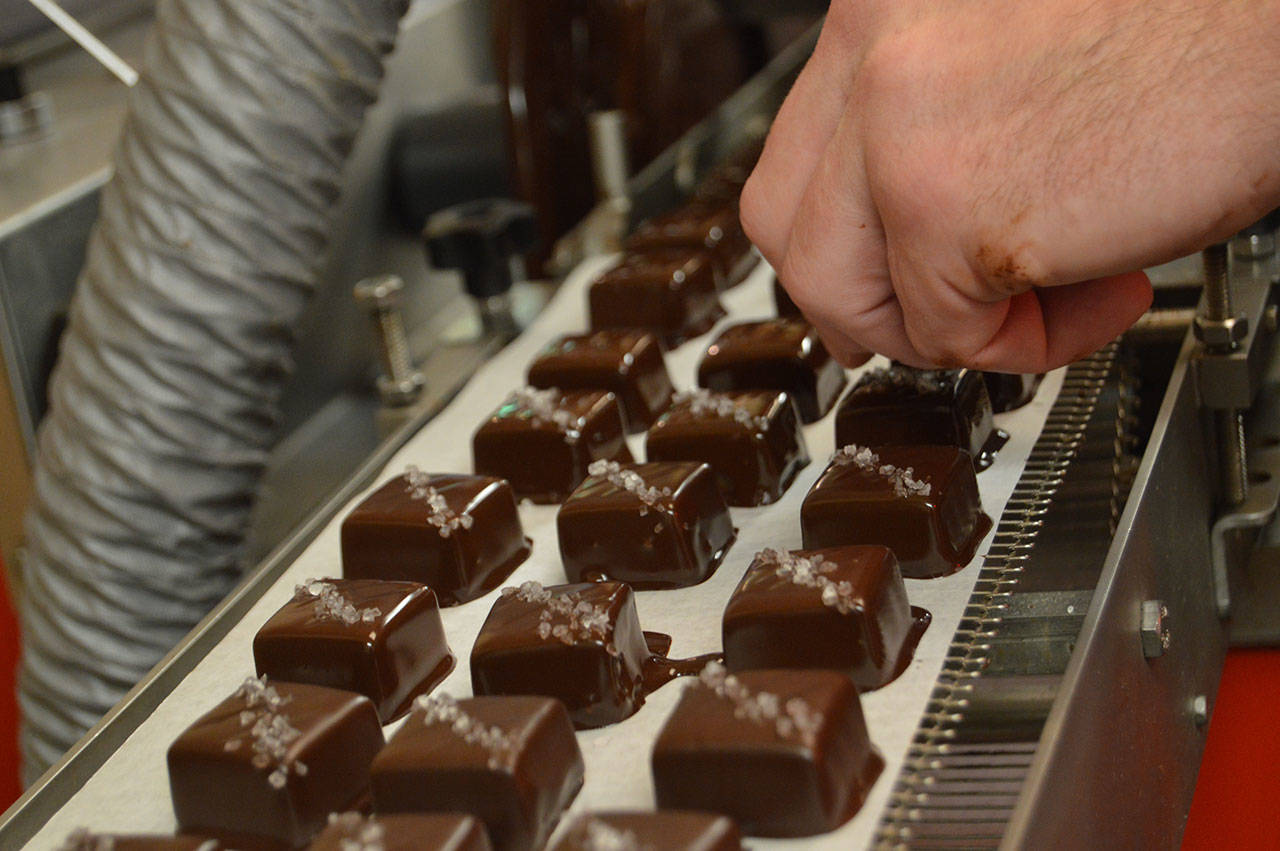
(752, 439)
(512, 762)
(922, 502)
(380, 639)
(272, 761)
(843, 608)
(782, 752)
(404, 832)
(459, 535)
(899, 405)
(83, 840)
(627, 362)
(671, 292)
(775, 354)
(713, 227)
(670, 830)
(659, 525)
(541, 441)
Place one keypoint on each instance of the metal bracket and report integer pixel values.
(1236, 530)
(1228, 379)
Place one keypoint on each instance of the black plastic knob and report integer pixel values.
(480, 238)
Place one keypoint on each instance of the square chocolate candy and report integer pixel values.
(706, 225)
(922, 502)
(83, 840)
(579, 643)
(416, 832)
(512, 762)
(776, 354)
(272, 761)
(380, 639)
(899, 405)
(843, 608)
(782, 752)
(670, 830)
(752, 439)
(458, 535)
(627, 362)
(541, 441)
(671, 292)
(1009, 391)
(659, 525)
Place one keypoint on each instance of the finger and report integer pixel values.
(1033, 331)
(835, 266)
(804, 125)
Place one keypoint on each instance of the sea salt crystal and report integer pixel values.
(269, 731)
(631, 482)
(331, 605)
(444, 709)
(582, 620)
(544, 406)
(899, 377)
(359, 833)
(793, 718)
(599, 836)
(903, 479)
(702, 401)
(442, 517)
(811, 572)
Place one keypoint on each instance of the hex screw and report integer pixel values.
(401, 383)
(1155, 628)
(1200, 710)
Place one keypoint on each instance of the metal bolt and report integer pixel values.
(1155, 628)
(1254, 246)
(1228, 424)
(401, 384)
(1200, 710)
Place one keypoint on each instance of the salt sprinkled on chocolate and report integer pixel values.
(269, 729)
(331, 605)
(583, 621)
(809, 572)
(359, 833)
(898, 377)
(791, 719)
(442, 517)
(600, 836)
(630, 481)
(903, 479)
(702, 401)
(544, 406)
(443, 709)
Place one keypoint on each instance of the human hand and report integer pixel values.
(971, 183)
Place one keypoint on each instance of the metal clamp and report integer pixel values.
(401, 384)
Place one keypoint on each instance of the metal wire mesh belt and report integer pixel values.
(163, 403)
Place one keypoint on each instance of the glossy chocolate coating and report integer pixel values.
(670, 830)
(776, 354)
(598, 675)
(389, 536)
(83, 840)
(391, 659)
(627, 362)
(543, 460)
(931, 535)
(1009, 391)
(904, 406)
(405, 832)
(220, 788)
(671, 292)
(708, 758)
(782, 301)
(519, 796)
(774, 622)
(607, 532)
(755, 454)
(713, 227)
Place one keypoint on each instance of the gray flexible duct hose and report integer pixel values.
(164, 401)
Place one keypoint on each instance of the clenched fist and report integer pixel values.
(972, 183)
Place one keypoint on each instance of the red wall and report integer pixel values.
(10, 787)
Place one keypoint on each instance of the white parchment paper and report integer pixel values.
(130, 792)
